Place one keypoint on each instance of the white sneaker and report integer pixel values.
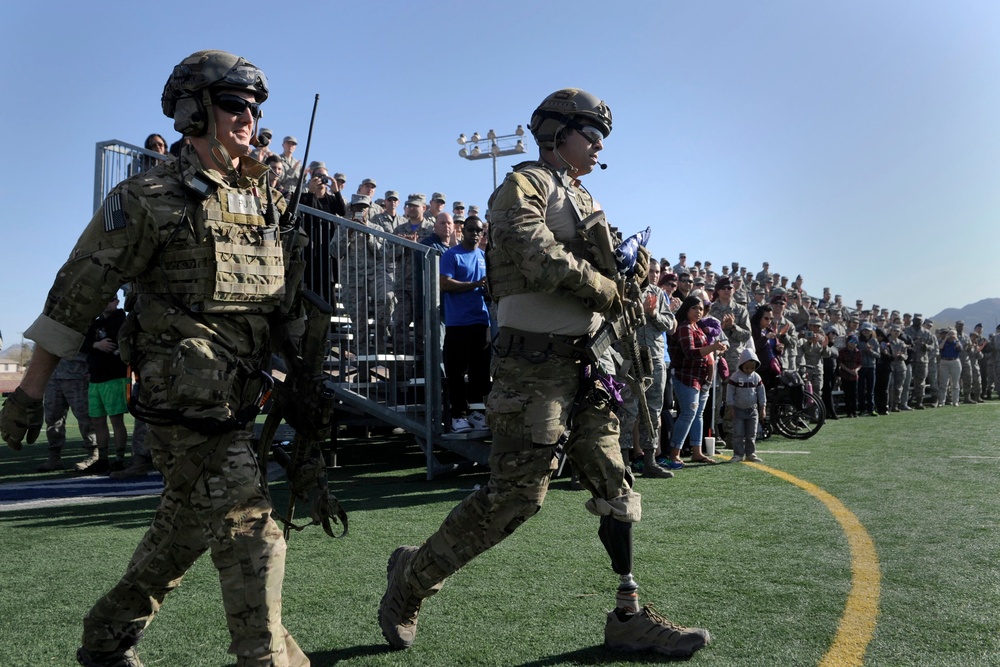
(460, 425)
(736, 458)
(477, 420)
(755, 459)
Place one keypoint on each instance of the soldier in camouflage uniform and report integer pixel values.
(366, 284)
(963, 358)
(898, 350)
(551, 300)
(66, 390)
(209, 270)
(923, 342)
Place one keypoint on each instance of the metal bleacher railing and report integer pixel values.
(380, 367)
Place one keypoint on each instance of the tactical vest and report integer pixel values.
(505, 278)
(232, 265)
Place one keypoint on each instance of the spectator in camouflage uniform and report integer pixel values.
(897, 351)
(198, 341)
(65, 391)
(922, 342)
(365, 283)
(658, 319)
(551, 301)
(963, 358)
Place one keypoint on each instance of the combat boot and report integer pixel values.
(138, 468)
(648, 631)
(653, 469)
(119, 658)
(397, 612)
(53, 463)
(94, 464)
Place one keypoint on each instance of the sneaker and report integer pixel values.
(397, 612)
(477, 420)
(904, 408)
(460, 425)
(662, 461)
(653, 470)
(736, 458)
(648, 631)
(89, 658)
(720, 443)
(138, 468)
(638, 466)
(675, 465)
(755, 459)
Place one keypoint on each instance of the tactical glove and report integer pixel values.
(21, 416)
(641, 266)
(604, 297)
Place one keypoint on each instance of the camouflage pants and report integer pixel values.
(630, 413)
(917, 388)
(61, 396)
(528, 411)
(367, 296)
(967, 382)
(975, 390)
(896, 384)
(211, 502)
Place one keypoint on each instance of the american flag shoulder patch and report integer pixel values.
(114, 216)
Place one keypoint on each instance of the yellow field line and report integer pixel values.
(857, 625)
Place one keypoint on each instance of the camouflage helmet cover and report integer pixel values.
(569, 107)
(182, 97)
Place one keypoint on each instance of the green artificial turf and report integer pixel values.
(758, 561)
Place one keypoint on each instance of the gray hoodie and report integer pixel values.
(742, 390)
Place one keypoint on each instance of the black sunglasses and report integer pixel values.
(236, 105)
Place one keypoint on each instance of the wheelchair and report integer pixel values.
(793, 410)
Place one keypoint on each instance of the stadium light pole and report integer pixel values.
(492, 146)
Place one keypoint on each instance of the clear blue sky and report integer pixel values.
(854, 142)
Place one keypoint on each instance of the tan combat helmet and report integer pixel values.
(569, 107)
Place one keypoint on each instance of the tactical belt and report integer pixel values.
(514, 341)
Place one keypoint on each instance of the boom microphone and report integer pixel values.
(603, 165)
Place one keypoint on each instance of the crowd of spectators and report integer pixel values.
(863, 361)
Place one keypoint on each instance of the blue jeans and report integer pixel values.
(690, 409)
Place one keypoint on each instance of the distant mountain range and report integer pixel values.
(986, 312)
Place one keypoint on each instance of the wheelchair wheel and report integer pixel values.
(798, 421)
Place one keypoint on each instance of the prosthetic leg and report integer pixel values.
(617, 539)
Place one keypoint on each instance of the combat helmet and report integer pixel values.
(569, 107)
(186, 95)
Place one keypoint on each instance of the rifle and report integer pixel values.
(303, 400)
(609, 254)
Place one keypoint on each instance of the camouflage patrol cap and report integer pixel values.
(185, 95)
(569, 107)
(361, 200)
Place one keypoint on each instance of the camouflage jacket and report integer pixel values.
(536, 258)
(144, 218)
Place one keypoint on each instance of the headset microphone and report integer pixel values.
(603, 165)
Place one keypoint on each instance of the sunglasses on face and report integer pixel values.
(591, 134)
(236, 105)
